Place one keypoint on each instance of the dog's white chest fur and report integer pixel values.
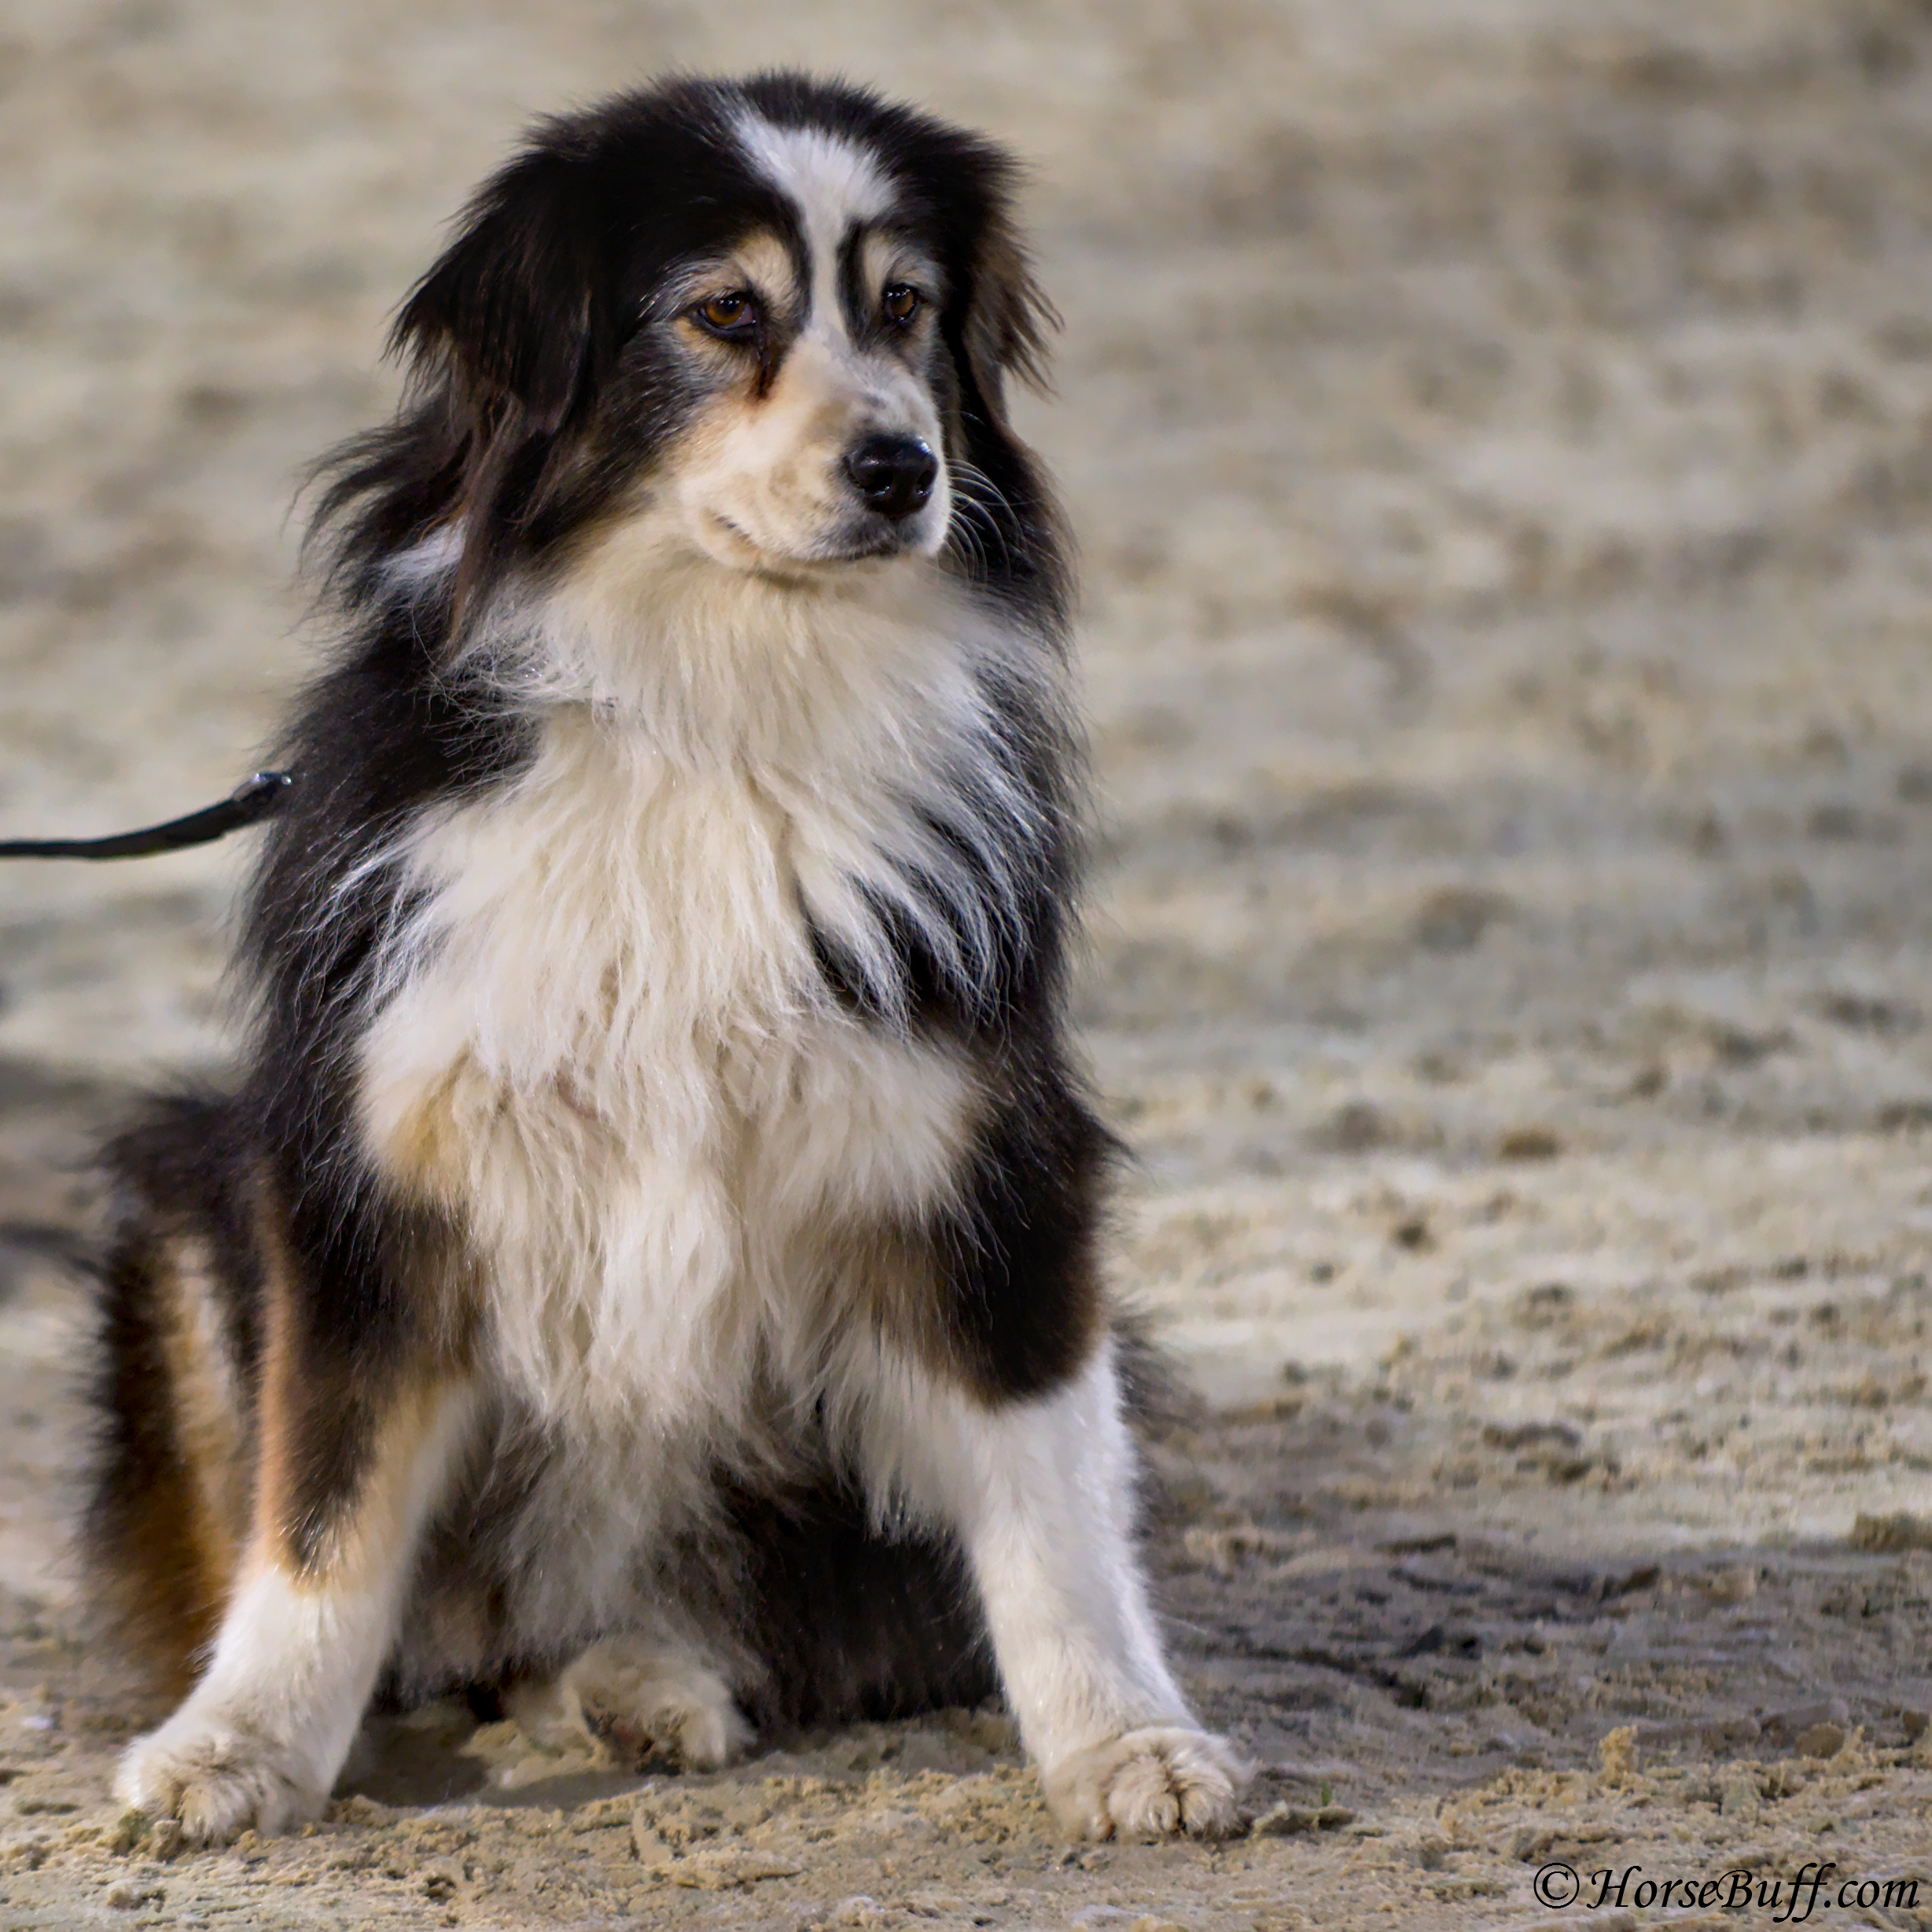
(610, 1049)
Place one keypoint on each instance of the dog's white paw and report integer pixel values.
(1150, 1784)
(644, 1700)
(217, 1779)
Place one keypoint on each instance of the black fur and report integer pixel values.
(536, 397)
(848, 1623)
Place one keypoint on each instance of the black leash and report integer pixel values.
(257, 798)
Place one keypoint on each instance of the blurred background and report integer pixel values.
(1499, 432)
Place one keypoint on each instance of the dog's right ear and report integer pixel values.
(510, 307)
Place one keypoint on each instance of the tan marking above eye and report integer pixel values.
(900, 302)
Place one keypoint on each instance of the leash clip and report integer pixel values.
(259, 796)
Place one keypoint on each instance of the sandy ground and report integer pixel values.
(1501, 434)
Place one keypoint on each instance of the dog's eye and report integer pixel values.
(732, 315)
(900, 303)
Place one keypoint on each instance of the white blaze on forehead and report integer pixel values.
(834, 185)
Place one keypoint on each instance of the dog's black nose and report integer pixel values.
(894, 474)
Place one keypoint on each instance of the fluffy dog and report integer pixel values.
(648, 1266)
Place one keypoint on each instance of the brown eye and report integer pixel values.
(732, 315)
(900, 303)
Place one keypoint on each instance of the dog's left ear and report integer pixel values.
(1008, 318)
(511, 303)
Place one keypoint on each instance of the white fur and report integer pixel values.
(598, 1032)
(608, 981)
(768, 489)
(607, 990)
(645, 1694)
(834, 185)
(411, 571)
(1040, 1496)
(260, 1741)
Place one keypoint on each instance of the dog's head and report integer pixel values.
(768, 322)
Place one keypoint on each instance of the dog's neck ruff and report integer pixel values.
(604, 1033)
(873, 725)
(716, 666)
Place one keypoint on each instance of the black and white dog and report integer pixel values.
(649, 1267)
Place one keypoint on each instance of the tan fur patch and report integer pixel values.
(382, 1517)
(165, 1577)
(422, 1148)
(274, 1392)
(757, 480)
(210, 1425)
(311, 1409)
(762, 263)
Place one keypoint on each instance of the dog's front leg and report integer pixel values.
(1040, 1493)
(345, 1478)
